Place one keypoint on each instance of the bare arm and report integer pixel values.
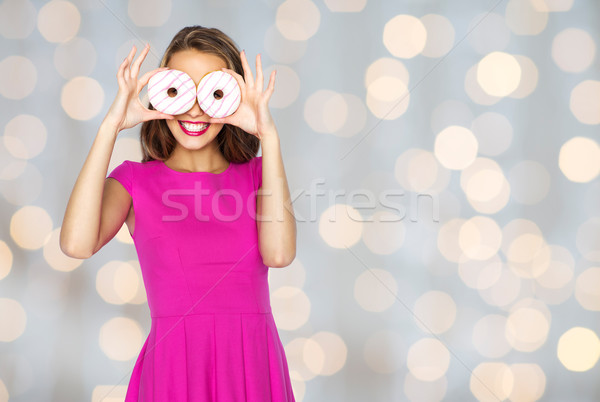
(276, 221)
(83, 226)
(98, 206)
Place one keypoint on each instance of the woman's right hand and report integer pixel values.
(127, 110)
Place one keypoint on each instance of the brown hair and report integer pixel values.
(235, 144)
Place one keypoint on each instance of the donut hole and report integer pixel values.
(218, 94)
(172, 92)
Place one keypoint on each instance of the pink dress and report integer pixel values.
(212, 337)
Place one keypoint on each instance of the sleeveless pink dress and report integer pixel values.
(212, 337)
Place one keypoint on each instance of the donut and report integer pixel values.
(219, 94)
(171, 91)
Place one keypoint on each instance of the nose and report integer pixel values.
(196, 110)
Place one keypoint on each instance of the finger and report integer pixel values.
(214, 120)
(146, 77)
(259, 73)
(238, 78)
(135, 68)
(130, 55)
(247, 72)
(156, 115)
(121, 73)
(271, 86)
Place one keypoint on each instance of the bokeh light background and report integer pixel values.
(480, 281)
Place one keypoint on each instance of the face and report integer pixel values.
(185, 127)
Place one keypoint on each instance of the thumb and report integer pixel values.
(156, 115)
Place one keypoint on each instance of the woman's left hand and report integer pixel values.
(253, 114)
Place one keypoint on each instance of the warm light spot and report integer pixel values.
(523, 18)
(404, 36)
(494, 195)
(121, 338)
(82, 98)
(417, 390)
(428, 359)
(498, 73)
(384, 232)
(18, 77)
(488, 336)
(340, 226)
(30, 227)
(440, 35)
(524, 248)
(526, 329)
(303, 353)
(480, 238)
(387, 67)
(422, 171)
(109, 393)
(529, 77)
(587, 291)
(14, 319)
(455, 147)
(291, 307)
(335, 353)
(504, 290)
(559, 272)
(15, 192)
(491, 381)
(585, 102)
(384, 352)
(375, 290)
(298, 19)
(435, 312)
(6, 260)
(419, 171)
(475, 92)
(573, 50)
(579, 159)
(287, 86)
(25, 136)
(387, 97)
(447, 241)
(552, 5)
(293, 275)
(325, 111)
(346, 6)
(314, 356)
(478, 274)
(529, 382)
(58, 21)
(149, 13)
(578, 349)
(117, 282)
(55, 257)
(356, 117)
(484, 185)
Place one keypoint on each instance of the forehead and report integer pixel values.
(195, 63)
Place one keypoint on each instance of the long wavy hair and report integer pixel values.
(235, 144)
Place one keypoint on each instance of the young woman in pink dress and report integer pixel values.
(204, 234)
